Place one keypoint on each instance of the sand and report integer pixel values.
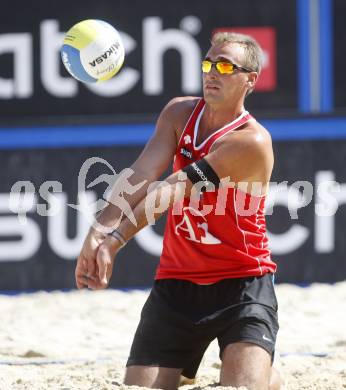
(80, 339)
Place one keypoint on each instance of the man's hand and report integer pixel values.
(86, 268)
(105, 260)
(95, 262)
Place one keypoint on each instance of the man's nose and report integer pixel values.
(212, 75)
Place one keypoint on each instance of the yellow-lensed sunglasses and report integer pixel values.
(223, 67)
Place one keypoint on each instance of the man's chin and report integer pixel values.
(212, 96)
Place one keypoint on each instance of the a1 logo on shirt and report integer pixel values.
(194, 227)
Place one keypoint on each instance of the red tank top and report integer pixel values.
(227, 242)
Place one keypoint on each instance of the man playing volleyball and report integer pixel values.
(215, 277)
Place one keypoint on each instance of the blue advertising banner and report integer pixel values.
(41, 233)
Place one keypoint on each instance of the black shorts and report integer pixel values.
(180, 319)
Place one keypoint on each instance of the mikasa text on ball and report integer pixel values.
(92, 51)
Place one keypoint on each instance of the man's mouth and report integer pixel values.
(212, 87)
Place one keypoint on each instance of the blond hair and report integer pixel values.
(253, 54)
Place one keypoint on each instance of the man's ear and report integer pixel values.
(252, 79)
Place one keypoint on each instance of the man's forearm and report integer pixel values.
(152, 207)
(111, 216)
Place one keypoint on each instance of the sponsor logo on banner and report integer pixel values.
(18, 208)
(156, 42)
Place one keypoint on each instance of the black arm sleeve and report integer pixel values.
(201, 171)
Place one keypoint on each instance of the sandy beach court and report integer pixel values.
(80, 339)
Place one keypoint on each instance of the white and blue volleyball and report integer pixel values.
(92, 51)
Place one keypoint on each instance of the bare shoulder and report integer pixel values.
(182, 103)
(252, 137)
(254, 133)
(178, 110)
(261, 131)
(245, 154)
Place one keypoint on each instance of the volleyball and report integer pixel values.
(92, 51)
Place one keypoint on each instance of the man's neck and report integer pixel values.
(215, 117)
